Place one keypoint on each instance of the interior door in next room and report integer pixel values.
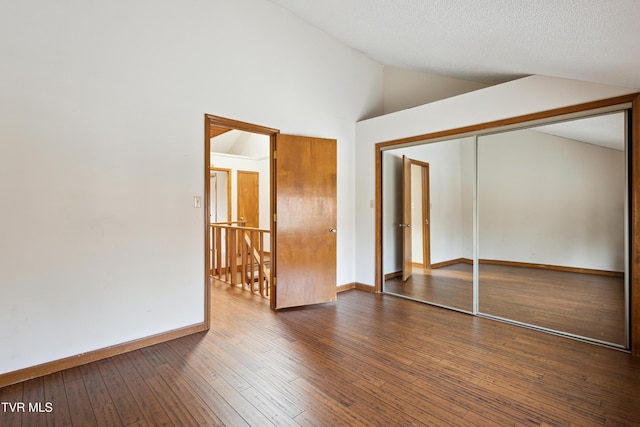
(248, 198)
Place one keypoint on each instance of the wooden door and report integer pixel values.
(304, 229)
(405, 225)
(249, 198)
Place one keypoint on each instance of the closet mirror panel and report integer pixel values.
(552, 227)
(427, 222)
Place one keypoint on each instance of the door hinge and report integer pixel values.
(274, 154)
(275, 282)
(275, 217)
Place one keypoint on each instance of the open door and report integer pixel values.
(304, 227)
(405, 225)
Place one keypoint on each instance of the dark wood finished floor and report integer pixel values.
(581, 304)
(365, 360)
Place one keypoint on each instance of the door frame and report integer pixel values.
(217, 121)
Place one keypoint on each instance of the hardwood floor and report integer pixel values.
(587, 305)
(366, 360)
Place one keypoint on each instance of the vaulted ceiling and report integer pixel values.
(490, 41)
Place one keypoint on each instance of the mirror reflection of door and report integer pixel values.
(441, 187)
(415, 217)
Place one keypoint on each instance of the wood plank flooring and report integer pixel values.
(587, 305)
(366, 360)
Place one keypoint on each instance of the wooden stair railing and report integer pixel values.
(238, 257)
(255, 262)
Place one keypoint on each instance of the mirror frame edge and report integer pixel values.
(634, 223)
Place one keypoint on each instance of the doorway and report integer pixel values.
(291, 186)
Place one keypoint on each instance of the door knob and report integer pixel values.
(333, 230)
(404, 225)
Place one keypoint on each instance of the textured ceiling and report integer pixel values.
(489, 41)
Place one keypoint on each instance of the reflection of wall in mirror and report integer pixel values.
(545, 199)
(451, 190)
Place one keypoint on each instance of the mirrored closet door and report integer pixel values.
(428, 222)
(528, 225)
(552, 227)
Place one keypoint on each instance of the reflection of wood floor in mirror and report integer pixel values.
(588, 305)
(581, 304)
(451, 286)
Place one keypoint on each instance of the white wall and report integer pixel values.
(467, 179)
(101, 127)
(516, 98)
(550, 200)
(408, 88)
